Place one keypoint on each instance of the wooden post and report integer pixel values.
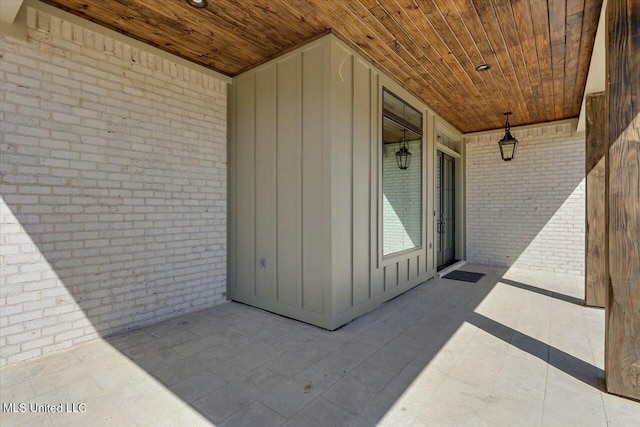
(596, 146)
(622, 329)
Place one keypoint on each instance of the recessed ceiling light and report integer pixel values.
(483, 67)
(197, 3)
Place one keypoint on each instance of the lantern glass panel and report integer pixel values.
(507, 149)
(403, 157)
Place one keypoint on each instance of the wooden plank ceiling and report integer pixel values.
(539, 50)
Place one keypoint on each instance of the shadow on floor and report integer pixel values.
(241, 366)
(445, 352)
(545, 292)
(563, 361)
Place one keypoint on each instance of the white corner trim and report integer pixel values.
(38, 5)
(9, 10)
(13, 19)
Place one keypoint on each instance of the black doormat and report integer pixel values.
(465, 276)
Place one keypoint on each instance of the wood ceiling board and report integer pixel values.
(479, 34)
(154, 31)
(441, 30)
(275, 22)
(415, 59)
(476, 37)
(308, 13)
(572, 51)
(520, 101)
(424, 36)
(523, 44)
(539, 50)
(557, 33)
(449, 67)
(364, 39)
(540, 22)
(467, 47)
(363, 12)
(590, 21)
(230, 17)
(518, 47)
(441, 80)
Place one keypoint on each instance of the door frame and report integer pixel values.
(444, 256)
(458, 152)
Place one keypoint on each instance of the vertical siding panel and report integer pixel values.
(413, 266)
(342, 146)
(377, 272)
(361, 181)
(328, 179)
(304, 184)
(265, 191)
(313, 211)
(390, 276)
(403, 271)
(245, 232)
(288, 190)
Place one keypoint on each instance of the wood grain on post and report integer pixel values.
(596, 203)
(622, 329)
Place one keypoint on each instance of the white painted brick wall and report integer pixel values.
(527, 213)
(113, 170)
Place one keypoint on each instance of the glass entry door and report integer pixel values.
(445, 209)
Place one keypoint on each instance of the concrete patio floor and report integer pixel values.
(517, 348)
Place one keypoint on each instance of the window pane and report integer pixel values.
(394, 107)
(401, 188)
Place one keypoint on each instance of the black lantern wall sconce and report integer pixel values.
(403, 155)
(508, 143)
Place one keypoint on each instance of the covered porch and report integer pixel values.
(238, 213)
(516, 348)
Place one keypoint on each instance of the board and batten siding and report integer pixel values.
(305, 182)
(279, 175)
